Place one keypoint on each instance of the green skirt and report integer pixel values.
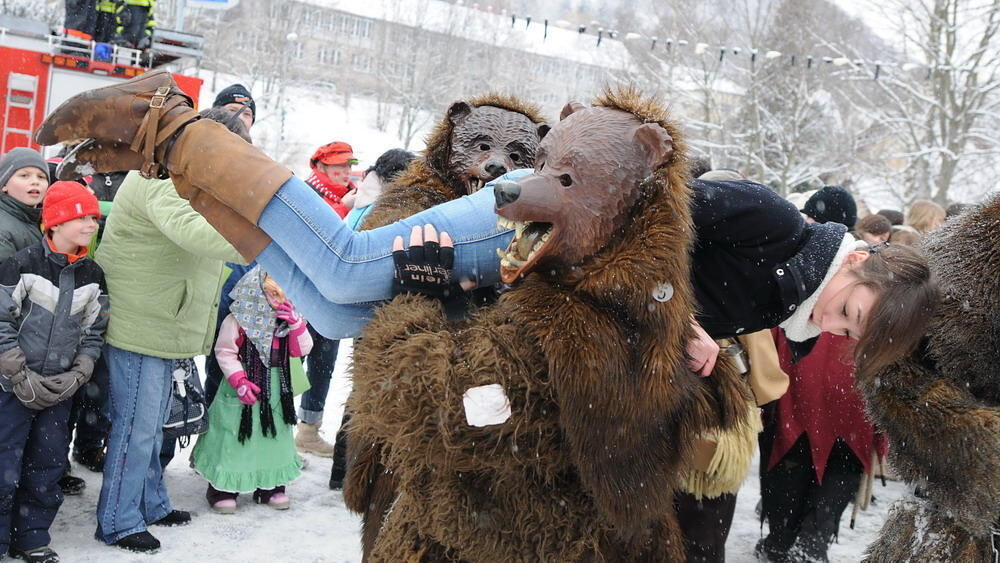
(261, 462)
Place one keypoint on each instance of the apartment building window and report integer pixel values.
(329, 56)
(362, 62)
(298, 51)
(355, 26)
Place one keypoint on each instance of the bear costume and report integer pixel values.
(940, 407)
(588, 350)
(474, 143)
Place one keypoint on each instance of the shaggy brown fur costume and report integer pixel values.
(603, 406)
(452, 164)
(941, 406)
(449, 164)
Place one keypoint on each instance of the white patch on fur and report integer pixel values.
(486, 405)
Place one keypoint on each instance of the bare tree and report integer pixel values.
(943, 116)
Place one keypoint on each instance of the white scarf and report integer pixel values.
(798, 327)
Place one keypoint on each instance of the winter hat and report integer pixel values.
(337, 152)
(19, 158)
(66, 201)
(236, 94)
(832, 204)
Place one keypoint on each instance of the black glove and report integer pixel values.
(425, 270)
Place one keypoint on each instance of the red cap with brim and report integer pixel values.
(335, 153)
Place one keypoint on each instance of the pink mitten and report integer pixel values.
(245, 389)
(287, 313)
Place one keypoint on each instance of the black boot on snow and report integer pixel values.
(38, 555)
(175, 518)
(91, 459)
(139, 542)
(72, 486)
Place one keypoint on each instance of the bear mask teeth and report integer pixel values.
(529, 239)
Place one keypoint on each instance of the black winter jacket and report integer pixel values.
(19, 226)
(52, 309)
(755, 259)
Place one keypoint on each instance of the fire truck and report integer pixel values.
(39, 71)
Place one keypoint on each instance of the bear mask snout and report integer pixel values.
(506, 192)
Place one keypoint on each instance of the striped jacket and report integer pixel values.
(52, 309)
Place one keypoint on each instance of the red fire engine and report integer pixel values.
(39, 71)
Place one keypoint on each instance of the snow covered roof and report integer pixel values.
(491, 28)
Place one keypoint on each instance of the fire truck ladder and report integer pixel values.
(22, 94)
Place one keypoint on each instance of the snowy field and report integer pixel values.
(319, 528)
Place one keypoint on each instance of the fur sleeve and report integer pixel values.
(942, 436)
(400, 202)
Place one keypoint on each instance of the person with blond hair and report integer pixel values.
(925, 215)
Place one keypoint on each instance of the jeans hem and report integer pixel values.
(310, 417)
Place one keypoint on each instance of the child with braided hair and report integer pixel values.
(249, 445)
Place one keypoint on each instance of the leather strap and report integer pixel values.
(150, 134)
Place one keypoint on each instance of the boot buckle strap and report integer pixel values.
(160, 97)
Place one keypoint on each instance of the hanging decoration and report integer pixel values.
(671, 45)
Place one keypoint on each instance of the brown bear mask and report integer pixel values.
(487, 141)
(585, 182)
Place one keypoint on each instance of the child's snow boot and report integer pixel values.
(222, 502)
(275, 498)
(42, 554)
(71, 485)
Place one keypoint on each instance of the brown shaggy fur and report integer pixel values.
(428, 181)
(604, 409)
(940, 407)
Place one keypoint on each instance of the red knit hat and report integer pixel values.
(337, 152)
(66, 201)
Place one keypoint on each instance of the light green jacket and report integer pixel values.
(163, 264)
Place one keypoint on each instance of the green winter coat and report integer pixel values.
(163, 264)
(20, 226)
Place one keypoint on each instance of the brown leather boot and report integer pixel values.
(120, 126)
(147, 124)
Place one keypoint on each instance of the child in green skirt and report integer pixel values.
(249, 445)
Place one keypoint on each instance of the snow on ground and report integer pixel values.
(319, 528)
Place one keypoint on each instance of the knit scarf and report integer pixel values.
(260, 375)
(331, 191)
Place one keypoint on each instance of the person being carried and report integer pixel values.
(249, 445)
(53, 314)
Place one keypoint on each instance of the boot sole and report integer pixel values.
(140, 551)
(224, 510)
(317, 453)
(280, 506)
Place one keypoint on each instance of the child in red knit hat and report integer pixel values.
(53, 314)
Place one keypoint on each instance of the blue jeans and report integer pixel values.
(133, 494)
(33, 447)
(335, 275)
(319, 369)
